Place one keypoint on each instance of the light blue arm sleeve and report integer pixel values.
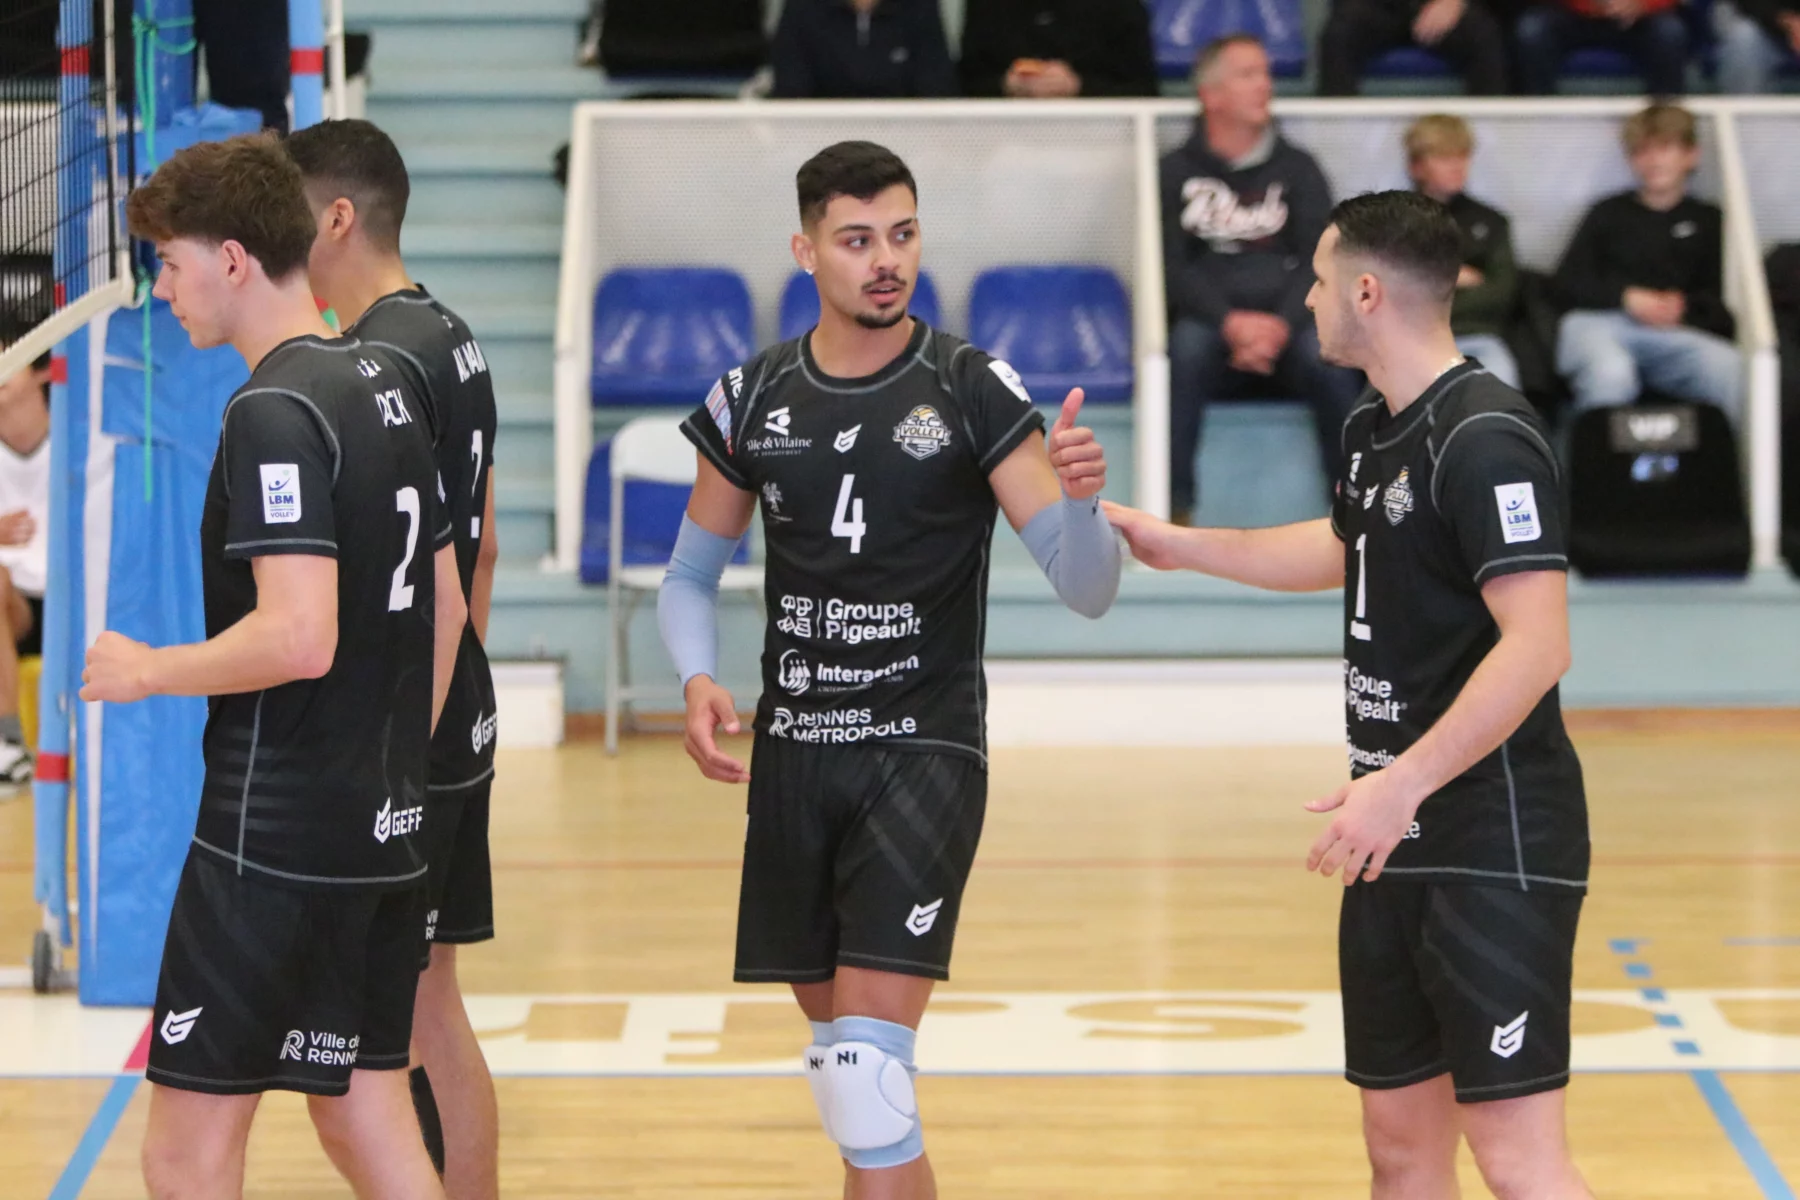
(687, 604)
(1079, 552)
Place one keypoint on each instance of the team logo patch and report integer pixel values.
(719, 409)
(1010, 377)
(923, 433)
(1518, 512)
(780, 722)
(1369, 497)
(177, 1025)
(392, 822)
(281, 493)
(846, 440)
(1398, 499)
(923, 917)
(293, 1045)
(795, 677)
(779, 422)
(1509, 1039)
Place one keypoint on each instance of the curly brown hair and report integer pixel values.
(244, 189)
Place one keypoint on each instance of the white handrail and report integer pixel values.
(1150, 411)
(1757, 336)
(573, 426)
(334, 55)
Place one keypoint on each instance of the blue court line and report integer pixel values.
(1743, 1138)
(93, 1141)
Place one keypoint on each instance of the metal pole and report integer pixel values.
(334, 36)
(306, 36)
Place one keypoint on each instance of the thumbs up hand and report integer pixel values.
(1079, 461)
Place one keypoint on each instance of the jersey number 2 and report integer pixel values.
(1359, 628)
(847, 521)
(400, 596)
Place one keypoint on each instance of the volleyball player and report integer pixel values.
(1462, 837)
(292, 953)
(357, 187)
(879, 451)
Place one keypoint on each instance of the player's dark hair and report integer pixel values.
(1406, 230)
(860, 169)
(244, 189)
(357, 161)
(14, 326)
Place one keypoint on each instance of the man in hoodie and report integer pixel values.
(1057, 49)
(1651, 32)
(861, 50)
(1644, 278)
(1242, 211)
(1756, 37)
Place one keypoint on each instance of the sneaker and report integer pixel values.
(15, 764)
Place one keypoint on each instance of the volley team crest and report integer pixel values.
(922, 433)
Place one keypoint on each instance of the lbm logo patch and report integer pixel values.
(281, 493)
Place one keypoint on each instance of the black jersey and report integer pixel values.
(444, 364)
(1459, 489)
(322, 781)
(877, 517)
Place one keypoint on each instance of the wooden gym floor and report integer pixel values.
(1144, 996)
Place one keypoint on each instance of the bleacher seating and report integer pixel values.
(1060, 327)
(663, 336)
(1182, 28)
(800, 305)
(653, 512)
(1409, 62)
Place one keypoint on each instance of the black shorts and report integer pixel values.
(269, 988)
(460, 905)
(1474, 981)
(33, 640)
(854, 856)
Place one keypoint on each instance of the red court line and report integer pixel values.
(139, 1058)
(1276, 862)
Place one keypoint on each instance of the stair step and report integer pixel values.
(415, 45)
(360, 13)
(523, 494)
(492, 240)
(431, 159)
(549, 81)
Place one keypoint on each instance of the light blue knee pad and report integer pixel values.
(860, 1070)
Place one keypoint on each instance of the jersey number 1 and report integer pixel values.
(1359, 629)
(400, 596)
(847, 521)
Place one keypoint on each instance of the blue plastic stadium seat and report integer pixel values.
(665, 335)
(800, 304)
(1408, 62)
(1059, 327)
(653, 514)
(1182, 28)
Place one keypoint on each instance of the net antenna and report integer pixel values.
(64, 255)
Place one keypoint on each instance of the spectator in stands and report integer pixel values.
(1644, 278)
(1054, 49)
(861, 49)
(1242, 212)
(1651, 32)
(1438, 150)
(1465, 33)
(24, 539)
(247, 55)
(1755, 38)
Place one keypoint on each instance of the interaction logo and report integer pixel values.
(795, 677)
(177, 1025)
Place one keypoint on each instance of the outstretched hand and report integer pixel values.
(1075, 453)
(1374, 815)
(1153, 541)
(709, 709)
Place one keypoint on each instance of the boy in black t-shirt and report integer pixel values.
(1462, 836)
(1644, 280)
(333, 615)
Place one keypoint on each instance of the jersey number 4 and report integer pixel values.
(847, 521)
(400, 596)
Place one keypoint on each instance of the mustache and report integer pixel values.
(882, 280)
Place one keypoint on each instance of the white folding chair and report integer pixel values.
(652, 449)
